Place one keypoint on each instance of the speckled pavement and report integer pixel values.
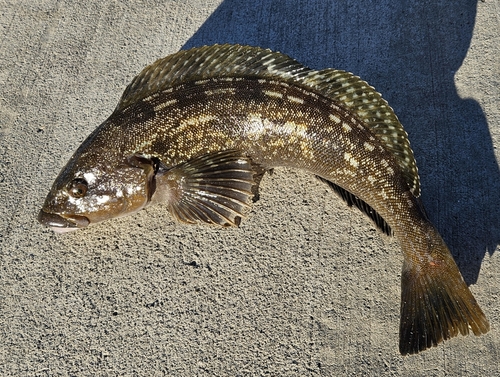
(306, 286)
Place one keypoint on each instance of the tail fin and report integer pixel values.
(436, 304)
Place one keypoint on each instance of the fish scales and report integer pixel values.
(314, 142)
(199, 128)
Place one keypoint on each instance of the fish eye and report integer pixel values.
(78, 188)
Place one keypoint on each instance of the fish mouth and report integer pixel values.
(62, 223)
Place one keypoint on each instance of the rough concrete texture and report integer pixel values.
(306, 286)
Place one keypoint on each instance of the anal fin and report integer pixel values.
(353, 200)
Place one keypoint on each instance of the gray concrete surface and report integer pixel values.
(306, 286)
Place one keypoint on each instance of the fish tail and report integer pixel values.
(436, 303)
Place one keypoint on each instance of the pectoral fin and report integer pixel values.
(216, 188)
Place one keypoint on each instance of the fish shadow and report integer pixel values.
(410, 53)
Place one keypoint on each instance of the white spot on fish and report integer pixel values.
(335, 118)
(295, 99)
(292, 127)
(256, 126)
(102, 199)
(75, 201)
(349, 158)
(151, 97)
(89, 177)
(165, 104)
(368, 146)
(384, 194)
(346, 127)
(348, 172)
(201, 119)
(273, 94)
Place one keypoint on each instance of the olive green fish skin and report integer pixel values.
(198, 128)
(274, 123)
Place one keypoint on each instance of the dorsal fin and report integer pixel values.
(363, 100)
(227, 60)
(201, 63)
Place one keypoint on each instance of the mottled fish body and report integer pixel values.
(198, 129)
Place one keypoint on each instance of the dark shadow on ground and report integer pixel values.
(410, 53)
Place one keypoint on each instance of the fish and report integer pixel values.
(198, 129)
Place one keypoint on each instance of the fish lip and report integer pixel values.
(62, 223)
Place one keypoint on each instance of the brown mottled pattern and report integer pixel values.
(276, 124)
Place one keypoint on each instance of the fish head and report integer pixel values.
(94, 187)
